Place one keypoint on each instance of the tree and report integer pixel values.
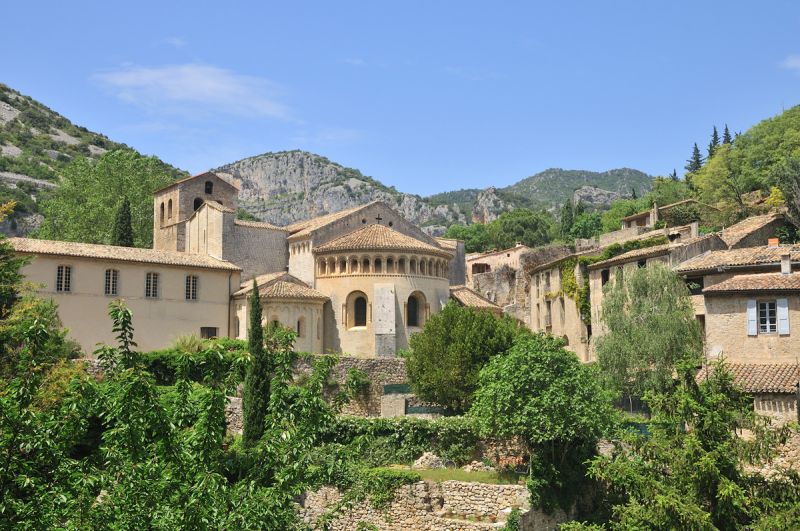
(541, 393)
(726, 136)
(714, 143)
(475, 236)
(444, 359)
(634, 195)
(522, 225)
(673, 175)
(786, 174)
(723, 183)
(650, 329)
(695, 162)
(689, 471)
(255, 396)
(566, 219)
(84, 205)
(587, 225)
(122, 234)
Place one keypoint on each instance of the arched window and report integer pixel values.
(169, 209)
(323, 266)
(161, 217)
(342, 266)
(390, 265)
(198, 202)
(412, 266)
(301, 327)
(415, 310)
(354, 265)
(365, 265)
(378, 265)
(209, 187)
(360, 311)
(356, 309)
(401, 266)
(422, 267)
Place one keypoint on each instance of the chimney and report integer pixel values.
(786, 264)
(773, 242)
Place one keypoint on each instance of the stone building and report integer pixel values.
(489, 261)
(358, 281)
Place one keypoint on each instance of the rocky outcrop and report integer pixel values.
(488, 206)
(290, 186)
(594, 198)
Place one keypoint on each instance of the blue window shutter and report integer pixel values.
(783, 316)
(752, 318)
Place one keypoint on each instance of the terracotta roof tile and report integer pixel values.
(113, 252)
(756, 378)
(468, 297)
(306, 227)
(258, 225)
(281, 286)
(760, 282)
(747, 256)
(204, 174)
(736, 233)
(447, 243)
(378, 237)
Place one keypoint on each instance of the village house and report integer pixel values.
(491, 260)
(359, 281)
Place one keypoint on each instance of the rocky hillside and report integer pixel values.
(294, 185)
(289, 186)
(35, 145)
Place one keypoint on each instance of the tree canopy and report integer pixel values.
(84, 205)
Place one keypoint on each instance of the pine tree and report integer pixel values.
(696, 160)
(726, 136)
(712, 146)
(673, 175)
(633, 194)
(255, 397)
(122, 233)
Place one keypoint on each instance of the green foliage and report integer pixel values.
(616, 249)
(244, 215)
(514, 521)
(444, 359)
(540, 392)
(522, 225)
(259, 372)
(122, 234)
(786, 175)
(84, 205)
(689, 472)
(165, 365)
(402, 440)
(475, 237)
(586, 225)
(695, 162)
(651, 328)
(612, 218)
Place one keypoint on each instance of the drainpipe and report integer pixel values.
(230, 301)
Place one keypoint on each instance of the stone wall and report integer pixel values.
(427, 505)
(781, 408)
(380, 371)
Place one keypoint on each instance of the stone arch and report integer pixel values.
(161, 215)
(422, 267)
(322, 267)
(415, 310)
(365, 268)
(412, 266)
(354, 264)
(378, 268)
(390, 264)
(169, 209)
(401, 265)
(198, 202)
(342, 265)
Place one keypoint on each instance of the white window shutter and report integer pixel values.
(783, 316)
(752, 318)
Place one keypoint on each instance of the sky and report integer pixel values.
(426, 96)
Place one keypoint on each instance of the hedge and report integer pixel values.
(163, 364)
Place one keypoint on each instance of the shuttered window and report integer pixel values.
(767, 317)
(783, 316)
(752, 318)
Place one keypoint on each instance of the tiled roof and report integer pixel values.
(447, 243)
(756, 378)
(304, 228)
(747, 256)
(516, 248)
(470, 298)
(644, 252)
(377, 237)
(113, 252)
(204, 174)
(217, 206)
(762, 282)
(258, 225)
(281, 286)
(736, 233)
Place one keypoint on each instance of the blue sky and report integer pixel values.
(425, 96)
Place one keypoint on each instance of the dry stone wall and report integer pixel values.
(440, 506)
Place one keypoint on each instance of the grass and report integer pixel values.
(456, 474)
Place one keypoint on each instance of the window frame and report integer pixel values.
(152, 290)
(765, 325)
(63, 278)
(190, 287)
(111, 282)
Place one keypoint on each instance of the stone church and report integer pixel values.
(359, 281)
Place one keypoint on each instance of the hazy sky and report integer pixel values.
(426, 96)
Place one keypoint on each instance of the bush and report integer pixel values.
(163, 364)
(381, 441)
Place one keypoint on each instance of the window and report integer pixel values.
(767, 317)
(198, 203)
(169, 209)
(641, 263)
(209, 332)
(191, 288)
(412, 311)
(360, 311)
(151, 286)
(162, 213)
(112, 279)
(548, 315)
(209, 187)
(301, 326)
(64, 279)
(605, 274)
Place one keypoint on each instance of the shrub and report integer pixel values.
(164, 364)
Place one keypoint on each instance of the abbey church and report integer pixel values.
(359, 281)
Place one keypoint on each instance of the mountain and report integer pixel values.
(293, 185)
(36, 143)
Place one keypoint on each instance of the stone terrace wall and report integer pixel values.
(380, 371)
(428, 505)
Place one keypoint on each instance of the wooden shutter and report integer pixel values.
(752, 318)
(783, 316)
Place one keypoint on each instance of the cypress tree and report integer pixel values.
(122, 233)
(726, 136)
(673, 175)
(712, 146)
(255, 397)
(696, 160)
(633, 194)
(567, 218)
